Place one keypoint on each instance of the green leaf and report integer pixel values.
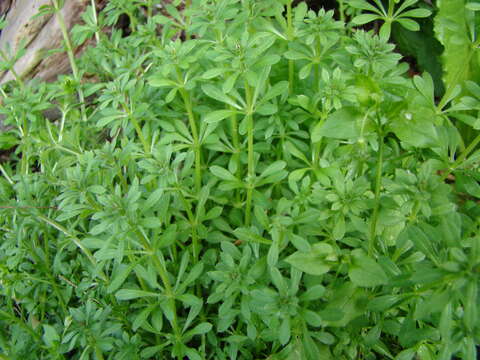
(141, 318)
(50, 335)
(217, 94)
(415, 127)
(245, 234)
(218, 115)
(213, 73)
(120, 277)
(313, 293)
(364, 271)
(129, 294)
(222, 173)
(416, 13)
(300, 243)
(273, 168)
(409, 24)
(459, 58)
(315, 262)
(364, 19)
(342, 124)
(7, 141)
(160, 81)
(200, 329)
(473, 6)
(385, 302)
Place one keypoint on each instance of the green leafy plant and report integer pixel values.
(403, 14)
(248, 181)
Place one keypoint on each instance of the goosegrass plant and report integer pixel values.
(246, 181)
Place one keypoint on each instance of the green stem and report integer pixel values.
(317, 147)
(378, 185)
(251, 158)
(193, 223)
(462, 157)
(290, 36)
(17, 77)
(236, 142)
(150, 9)
(137, 127)
(71, 58)
(341, 9)
(162, 272)
(193, 128)
(95, 20)
(391, 7)
(316, 66)
(188, 5)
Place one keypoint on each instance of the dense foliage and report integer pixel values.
(243, 180)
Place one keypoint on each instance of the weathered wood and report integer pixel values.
(38, 36)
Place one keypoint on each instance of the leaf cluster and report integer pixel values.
(269, 187)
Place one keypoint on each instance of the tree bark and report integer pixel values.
(37, 36)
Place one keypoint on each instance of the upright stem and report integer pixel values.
(188, 5)
(193, 223)
(290, 35)
(236, 141)
(95, 19)
(71, 58)
(193, 127)
(316, 67)
(378, 185)
(341, 9)
(162, 272)
(137, 127)
(17, 77)
(251, 159)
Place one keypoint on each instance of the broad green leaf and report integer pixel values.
(50, 335)
(313, 293)
(315, 262)
(460, 58)
(415, 127)
(365, 271)
(342, 124)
